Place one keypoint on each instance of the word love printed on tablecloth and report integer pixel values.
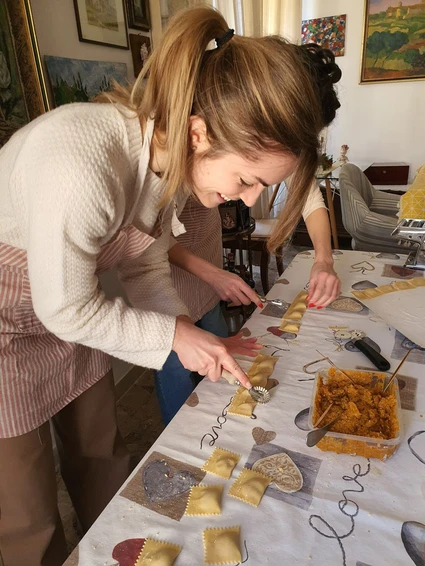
(348, 507)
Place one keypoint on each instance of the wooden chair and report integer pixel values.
(263, 228)
(258, 243)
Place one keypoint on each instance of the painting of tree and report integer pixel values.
(394, 41)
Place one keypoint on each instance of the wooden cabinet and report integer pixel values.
(388, 173)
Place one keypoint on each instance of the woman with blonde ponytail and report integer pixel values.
(89, 187)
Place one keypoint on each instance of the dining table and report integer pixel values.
(335, 509)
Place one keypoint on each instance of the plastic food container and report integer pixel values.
(352, 444)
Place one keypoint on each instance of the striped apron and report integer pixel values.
(39, 373)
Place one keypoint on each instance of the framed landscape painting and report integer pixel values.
(23, 94)
(102, 21)
(394, 41)
(79, 80)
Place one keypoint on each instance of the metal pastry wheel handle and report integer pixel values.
(258, 393)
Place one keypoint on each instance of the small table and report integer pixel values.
(350, 510)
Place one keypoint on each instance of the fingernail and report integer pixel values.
(260, 305)
(311, 305)
(318, 308)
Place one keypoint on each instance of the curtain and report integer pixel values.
(262, 17)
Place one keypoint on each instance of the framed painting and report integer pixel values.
(393, 41)
(140, 46)
(138, 14)
(79, 80)
(23, 94)
(328, 32)
(102, 21)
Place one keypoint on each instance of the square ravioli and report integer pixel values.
(242, 403)
(157, 553)
(204, 500)
(250, 487)
(221, 463)
(222, 546)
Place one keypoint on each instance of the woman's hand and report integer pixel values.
(324, 285)
(230, 287)
(242, 346)
(204, 353)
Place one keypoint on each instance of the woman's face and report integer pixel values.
(231, 177)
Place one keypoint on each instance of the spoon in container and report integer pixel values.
(388, 380)
(314, 436)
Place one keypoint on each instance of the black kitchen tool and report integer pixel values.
(375, 357)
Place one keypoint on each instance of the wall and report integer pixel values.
(379, 122)
(57, 34)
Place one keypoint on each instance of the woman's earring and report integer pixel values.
(194, 147)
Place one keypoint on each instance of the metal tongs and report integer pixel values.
(258, 393)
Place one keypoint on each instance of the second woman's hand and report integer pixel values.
(324, 284)
(232, 288)
(204, 353)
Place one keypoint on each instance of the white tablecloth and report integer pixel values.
(350, 511)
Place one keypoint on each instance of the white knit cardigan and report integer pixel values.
(68, 182)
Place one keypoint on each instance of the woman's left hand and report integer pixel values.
(324, 285)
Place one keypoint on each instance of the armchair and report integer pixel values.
(368, 215)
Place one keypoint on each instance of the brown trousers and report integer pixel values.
(94, 464)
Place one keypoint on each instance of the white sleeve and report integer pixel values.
(73, 197)
(314, 201)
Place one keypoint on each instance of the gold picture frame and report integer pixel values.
(23, 94)
(392, 46)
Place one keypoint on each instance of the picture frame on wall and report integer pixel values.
(102, 22)
(393, 41)
(140, 46)
(329, 32)
(23, 93)
(139, 14)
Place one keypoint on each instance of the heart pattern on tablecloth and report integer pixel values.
(246, 332)
(127, 552)
(282, 282)
(262, 436)
(362, 285)
(282, 470)
(413, 537)
(161, 481)
(301, 419)
(271, 383)
(192, 400)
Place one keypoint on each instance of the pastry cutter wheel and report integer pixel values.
(258, 393)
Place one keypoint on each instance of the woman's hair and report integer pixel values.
(254, 94)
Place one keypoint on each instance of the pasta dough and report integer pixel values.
(250, 487)
(221, 463)
(204, 500)
(242, 403)
(157, 553)
(262, 368)
(222, 546)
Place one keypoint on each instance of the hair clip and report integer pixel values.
(220, 41)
